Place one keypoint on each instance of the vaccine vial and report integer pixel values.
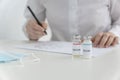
(87, 47)
(76, 45)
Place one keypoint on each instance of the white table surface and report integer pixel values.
(54, 66)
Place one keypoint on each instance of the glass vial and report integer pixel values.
(76, 45)
(87, 47)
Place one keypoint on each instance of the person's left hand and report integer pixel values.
(105, 39)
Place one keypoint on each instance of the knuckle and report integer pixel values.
(111, 36)
(100, 34)
(106, 34)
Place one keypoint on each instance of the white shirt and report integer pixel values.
(86, 17)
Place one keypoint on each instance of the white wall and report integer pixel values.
(12, 19)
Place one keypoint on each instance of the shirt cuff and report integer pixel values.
(116, 30)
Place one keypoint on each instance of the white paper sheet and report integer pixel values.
(61, 47)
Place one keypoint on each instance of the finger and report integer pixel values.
(93, 39)
(38, 33)
(110, 41)
(32, 22)
(37, 28)
(116, 41)
(44, 25)
(33, 39)
(104, 40)
(32, 36)
(35, 35)
(97, 39)
(35, 32)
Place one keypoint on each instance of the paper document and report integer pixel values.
(61, 47)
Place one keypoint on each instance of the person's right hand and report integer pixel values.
(34, 30)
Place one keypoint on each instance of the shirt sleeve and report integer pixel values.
(115, 17)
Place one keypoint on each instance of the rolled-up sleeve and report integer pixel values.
(115, 17)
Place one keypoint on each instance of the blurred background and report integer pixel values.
(12, 20)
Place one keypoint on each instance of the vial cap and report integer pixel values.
(76, 37)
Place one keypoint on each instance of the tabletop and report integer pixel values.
(53, 66)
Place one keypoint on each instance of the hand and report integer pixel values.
(106, 39)
(34, 30)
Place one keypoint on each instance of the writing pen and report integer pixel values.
(35, 18)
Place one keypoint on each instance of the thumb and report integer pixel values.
(44, 25)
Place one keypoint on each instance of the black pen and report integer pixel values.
(35, 18)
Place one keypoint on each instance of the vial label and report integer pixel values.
(87, 50)
(76, 48)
